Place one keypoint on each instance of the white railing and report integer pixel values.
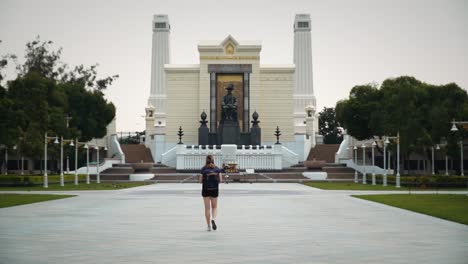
(117, 150)
(107, 164)
(368, 169)
(343, 152)
(273, 157)
(289, 158)
(169, 157)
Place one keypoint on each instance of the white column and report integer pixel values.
(303, 90)
(160, 56)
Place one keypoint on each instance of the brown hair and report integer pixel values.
(210, 162)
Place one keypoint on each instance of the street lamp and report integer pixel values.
(355, 162)
(432, 150)
(455, 129)
(373, 163)
(397, 183)
(6, 160)
(46, 140)
(384, 180)
(364, 179)
(98, 176)
(77, 144)
(62, 140)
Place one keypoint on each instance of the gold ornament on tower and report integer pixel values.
(230, 49)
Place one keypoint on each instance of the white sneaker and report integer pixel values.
(208, 228)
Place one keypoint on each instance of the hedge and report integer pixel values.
(425, 180)
(21, 180)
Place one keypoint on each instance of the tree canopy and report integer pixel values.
(419, 111)
(46, 95)
(329, 128)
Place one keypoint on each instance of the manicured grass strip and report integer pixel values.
(80, 187)
(13, 199)
(451, 207)
(351, 186)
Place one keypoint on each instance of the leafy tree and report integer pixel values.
(419, 112)
(44, 93)
(329, 128)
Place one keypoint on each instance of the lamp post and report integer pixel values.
(373, 163)
(6, 160)
(432, 150)
(87, 163)
(15, 147)
(355, 162)
(364, 179)
(384, 180)
(46, 140)
(455, 129)
(62, 140)
(85, 146)
(98, 176)
(397, 182)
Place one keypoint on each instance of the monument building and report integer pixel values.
(230, 96)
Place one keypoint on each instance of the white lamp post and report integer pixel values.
(384, 180)
(432, 150)
(98, 176)
(355, 162)
(364, 178)
(87, 163)
(46, 140)
(397, 182)
(85, 146)
(61, 158)
(461, 159)
(373, 163)
(455, 129)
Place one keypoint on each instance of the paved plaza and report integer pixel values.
(258, 223)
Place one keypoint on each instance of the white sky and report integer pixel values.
(353, 42)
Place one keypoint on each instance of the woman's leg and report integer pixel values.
(206, 201)
(214, 207)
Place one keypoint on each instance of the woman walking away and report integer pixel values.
(210, 178)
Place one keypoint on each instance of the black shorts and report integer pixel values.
(210, 193)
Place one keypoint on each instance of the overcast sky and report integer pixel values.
(353, 42)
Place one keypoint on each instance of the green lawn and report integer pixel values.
(351, 186)
(80, 187)
(13, 199)
(451, 207)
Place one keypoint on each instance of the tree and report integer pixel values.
(44, 93)
(419, 112)
(329, 128)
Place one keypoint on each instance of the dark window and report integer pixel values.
(160, 25)
(302, 24)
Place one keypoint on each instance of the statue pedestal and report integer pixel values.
(229, 132)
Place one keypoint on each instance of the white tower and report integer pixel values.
(160, 56)
(304, 89)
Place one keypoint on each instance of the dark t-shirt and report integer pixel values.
(210, 178)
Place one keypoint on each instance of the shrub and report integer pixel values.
(21, 180)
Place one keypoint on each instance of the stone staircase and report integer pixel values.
(135, 153)
(324, 152)
(338, 172)
(335, 172)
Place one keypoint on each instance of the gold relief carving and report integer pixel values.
(229, 49)
(229, 57)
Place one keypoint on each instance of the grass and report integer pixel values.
(451, 207)
(73, 187)
(351, 186)
(13, 199)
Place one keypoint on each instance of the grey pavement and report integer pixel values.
(258, 223)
